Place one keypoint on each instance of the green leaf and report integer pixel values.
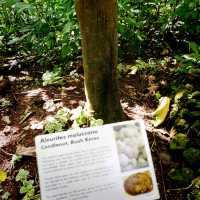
(194, 47)
(17, 39)
(29, 195)
(179, 142)
(196, 182)
(63, 115)
(53, 77)
(192, 156)
(67, 28)
(27, 186)
(22, 175)
(79, 115)
(181, 176)
(15, 158)
(82, 118)
(20, 6)
(53, 125)
(37, 197)
(96, 122)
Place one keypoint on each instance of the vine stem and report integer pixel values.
(179, 189)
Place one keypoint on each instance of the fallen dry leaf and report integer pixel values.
(172, 133)
(153, 88)
(6, 119)
(26, 151)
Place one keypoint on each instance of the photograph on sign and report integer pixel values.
(130, 146)
(138, 183)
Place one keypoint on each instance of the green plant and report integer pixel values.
(79, 117)
(22, 175)
(66, 118)
(6, 196)
(48, 30)
(181, 176)
(59, 121)
(53, 125)
(195, 194)
(157, 95)
(53, 77)
(139, 34)
(188, 12)
(96, 122)
(179, 142)
(15, 158)
(27, 188)
(192, 156)
(189, 65)
(196, 182)
(63, 115)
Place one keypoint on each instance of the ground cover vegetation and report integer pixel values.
(41, 86)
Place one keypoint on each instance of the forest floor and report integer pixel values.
(29, 101)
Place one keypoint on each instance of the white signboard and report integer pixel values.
(110, 162)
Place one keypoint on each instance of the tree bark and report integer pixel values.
(97, 19)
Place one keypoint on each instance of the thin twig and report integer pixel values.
(161, 133)
(161, 170)
(163, 181)
(21, 137)
(153, 144)
(14, 96)
(5, 152)
(27, 115)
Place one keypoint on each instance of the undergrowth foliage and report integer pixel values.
(49, 29)
(67, 119)
(182, 73)
(148, 25)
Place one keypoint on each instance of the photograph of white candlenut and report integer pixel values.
(130, 147)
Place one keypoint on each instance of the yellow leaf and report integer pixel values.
(161, 112)
(179, 95)
(3, 176)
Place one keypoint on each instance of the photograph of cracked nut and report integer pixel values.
(138, 183)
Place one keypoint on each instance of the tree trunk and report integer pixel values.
(98, 20)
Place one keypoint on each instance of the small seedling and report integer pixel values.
(53, 125)
(27, 188)
(5, 196)
(15, 158)
(53, 77)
